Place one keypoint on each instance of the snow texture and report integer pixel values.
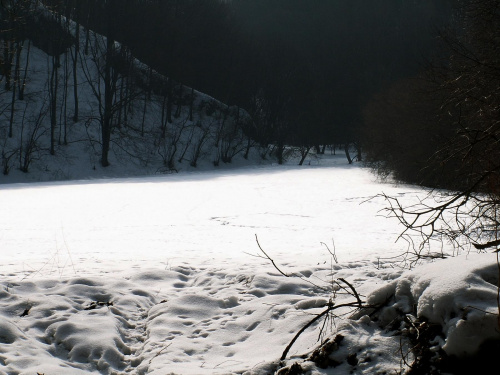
(162, 275)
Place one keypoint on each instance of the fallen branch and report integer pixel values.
(360, 304)
(330, 307)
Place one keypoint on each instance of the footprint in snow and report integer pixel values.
(252, 326)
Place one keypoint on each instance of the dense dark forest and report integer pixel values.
(384, 78)
(303, 71)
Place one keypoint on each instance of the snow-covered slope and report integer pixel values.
(143, 142)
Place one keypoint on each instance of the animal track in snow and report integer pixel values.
(252, 326)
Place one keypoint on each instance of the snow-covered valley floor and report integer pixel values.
(162, 275)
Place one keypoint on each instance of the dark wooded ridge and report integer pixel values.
(303, 70)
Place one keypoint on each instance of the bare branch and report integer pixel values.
(268, 257)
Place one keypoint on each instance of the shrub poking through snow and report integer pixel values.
(294, 369)
(328, 313)
(445, 323)
(321, 356)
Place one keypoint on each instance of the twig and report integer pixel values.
(67, 249)
(229, 360)
(160, 351)
(268, 257)
(279, 270)
(332, 253)
(411, 320)
(322, 328)
(360, 304)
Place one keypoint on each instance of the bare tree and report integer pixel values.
(104, 75)
(110, 78)
(17, 52)
(169, 143)
(468, 212)
(32, 132)
(198, 146)
(232, 138)
(74, 55)
(13, 18)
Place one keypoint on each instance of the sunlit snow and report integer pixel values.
(163, 275)
(195, 218)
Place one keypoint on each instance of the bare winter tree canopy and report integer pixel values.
(451, 138)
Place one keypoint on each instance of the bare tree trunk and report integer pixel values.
(149, 83)
(127, 101)
(144, 109)
(25, 74)
(18, 49)
(54, 82)
(108, 102)
(163, 119)
(87, 41)
(280, 148)
(191, 104)
(248, 146)
(347, 155)
(359, 156)
(179, 102)
(169, 100)
(186, 146)
(121, 108)
(75, 75)
(147, 96)
(110, 78)
(7, 63)
(198, 148)
(64, 108)
(304, 152)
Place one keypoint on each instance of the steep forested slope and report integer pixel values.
(76, 104)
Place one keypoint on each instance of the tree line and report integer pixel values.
(441, 129)
(302, 71)
(94, 86)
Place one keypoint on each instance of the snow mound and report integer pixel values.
(460, 296)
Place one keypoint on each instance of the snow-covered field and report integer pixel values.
(164, 275)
